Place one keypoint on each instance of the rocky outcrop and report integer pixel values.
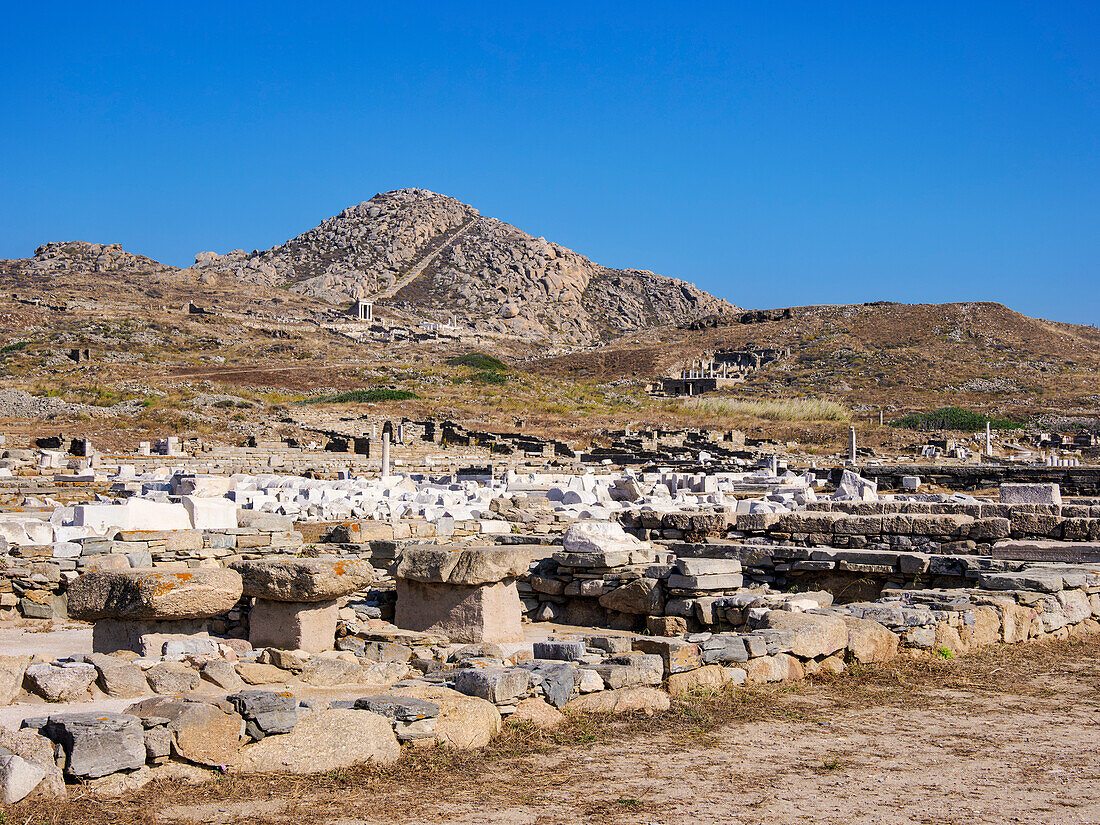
(488, 274)
(67, 256)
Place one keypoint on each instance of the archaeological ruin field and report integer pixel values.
(416, 517)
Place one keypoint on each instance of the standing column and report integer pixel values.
(385, 455)
(988, 439)
(851, 445)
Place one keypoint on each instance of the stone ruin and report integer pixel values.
(250, 649)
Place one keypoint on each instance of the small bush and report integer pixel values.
(16, 347)
(952, 418)
(489, 377)
(478, 361)
(363, 396)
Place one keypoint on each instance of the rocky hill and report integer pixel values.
(434, 255)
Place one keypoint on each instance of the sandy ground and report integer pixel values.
(1008, 735)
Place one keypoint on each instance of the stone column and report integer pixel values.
(467, 594)
(385, 455)
(141, 609)
(295, 601)
(851, 445)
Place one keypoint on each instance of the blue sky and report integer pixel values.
(774, 153)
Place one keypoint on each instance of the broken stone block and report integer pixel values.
(565, 651)
(97, 744)
(494, 684)
(171, 678)
(1013, 493)
(117, 677)
(639, 597)
(814, 635)
(707, 567)
(666, 625)
(558, 681)
(266, 712)
(723, 648)
(465, 566)
(631, 669)
(12, 670)
(18, 778)
(621, 700)
(677, 655)
(202, 732)
(61, 682)
(324, 741)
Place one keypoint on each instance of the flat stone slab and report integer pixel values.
(154, 594)
(1070, 552)
(303, 580)
(462, 566)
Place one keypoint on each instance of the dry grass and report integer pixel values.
(784, 409)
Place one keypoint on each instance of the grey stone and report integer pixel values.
(265, 712)
(564, 651)
(494, 684)
(158, 744)
(222, 674)
(60, 682)
(640, 597)
(725, 581)
(462, 566)
(399, 708)
(18, 778)
(172, 678)
(97, 744)
(724, 649)
(707, 567)
(117, 677)
(631, 669)
(558, 681)
(1014, 493)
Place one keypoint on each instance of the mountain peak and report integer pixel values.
(433, 254)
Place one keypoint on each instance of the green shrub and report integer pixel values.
(363, 396)
(488, 377)
(478, 361)
(16, 347)
(953, 418)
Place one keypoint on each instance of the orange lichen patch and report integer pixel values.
(340, 568)
(163, 581)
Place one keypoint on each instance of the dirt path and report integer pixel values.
(422, 264)
(1008, 735)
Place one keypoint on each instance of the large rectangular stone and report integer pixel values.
(676, 654)
(707, 567)
(1016, 493)
(463, 613)
(728, 581)
(309, 626)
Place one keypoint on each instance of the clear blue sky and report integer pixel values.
(774, 153)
